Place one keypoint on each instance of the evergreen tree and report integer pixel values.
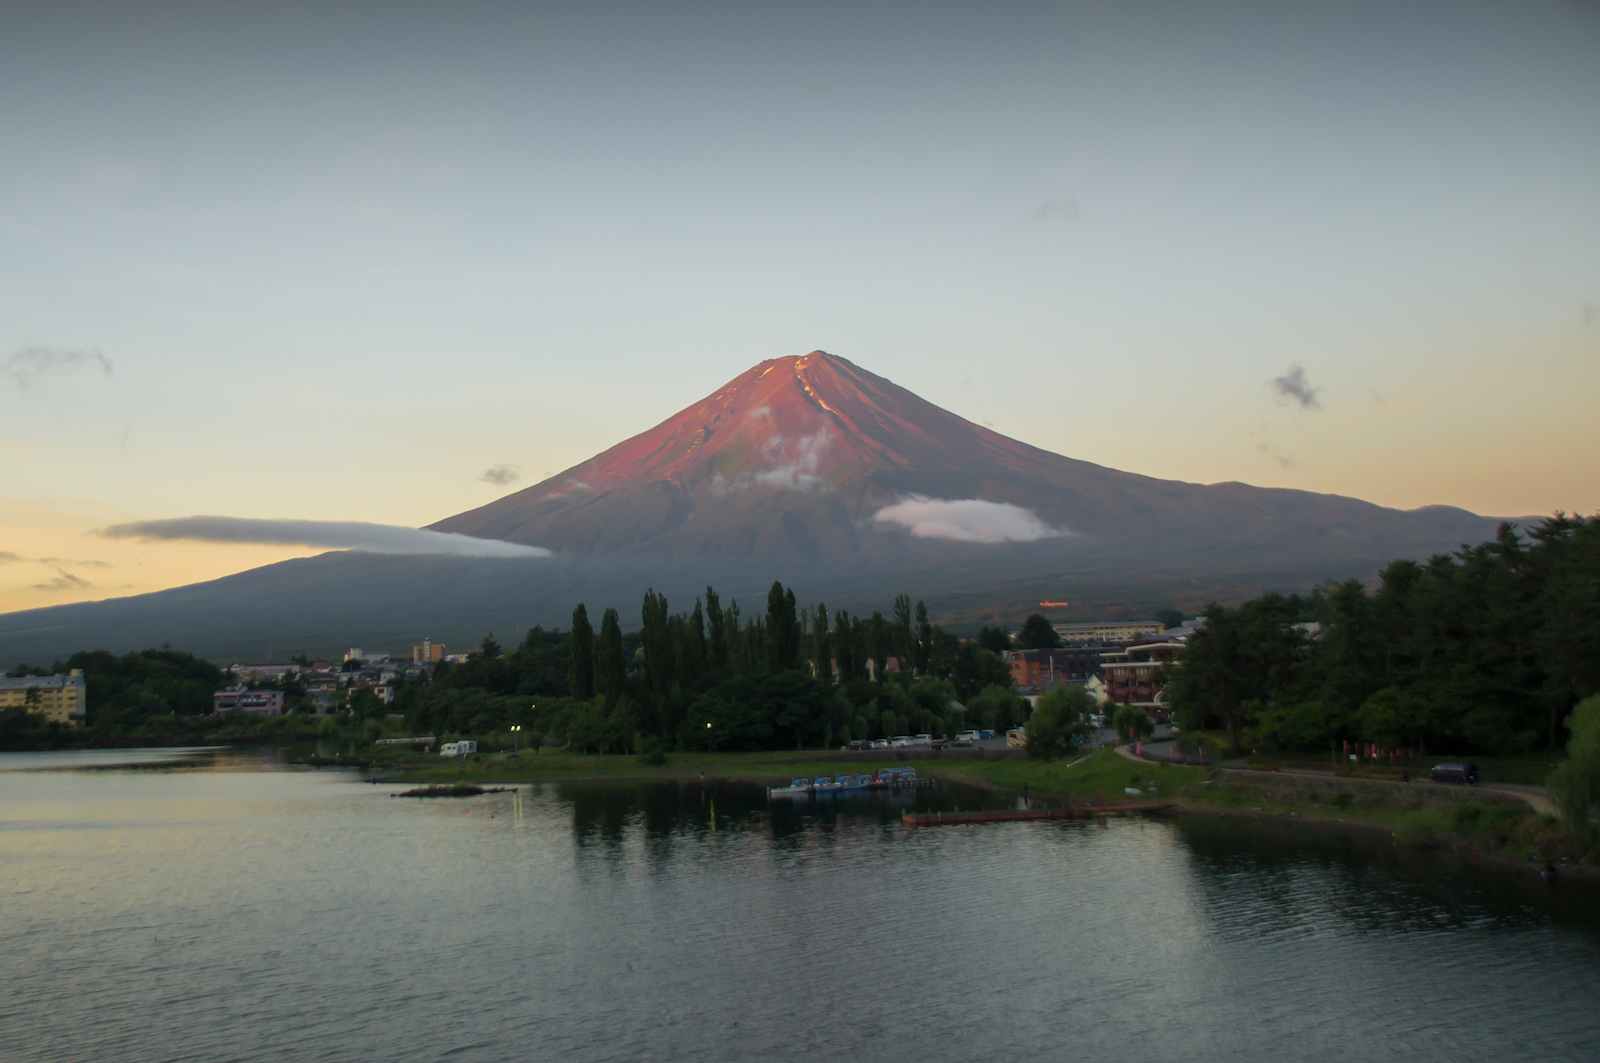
(580, 671)
(1037, 634)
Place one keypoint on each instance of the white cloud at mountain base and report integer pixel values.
(332, 534)
(968, 520)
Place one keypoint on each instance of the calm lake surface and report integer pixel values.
(226, 912)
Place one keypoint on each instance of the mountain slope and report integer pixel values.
(809, 470)
(799, 458)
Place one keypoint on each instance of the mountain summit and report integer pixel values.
(810, 470)
(815, 459)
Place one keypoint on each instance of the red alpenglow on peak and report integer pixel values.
(813, 459)
(790, 423)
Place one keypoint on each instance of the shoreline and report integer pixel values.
(1464, 848)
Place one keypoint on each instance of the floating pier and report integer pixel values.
(948, 819)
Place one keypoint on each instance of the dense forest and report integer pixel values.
(1484, 649)
(137, 695)
(712, 678)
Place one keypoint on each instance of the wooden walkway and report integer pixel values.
(945, 819)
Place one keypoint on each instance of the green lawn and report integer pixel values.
(1104, 771)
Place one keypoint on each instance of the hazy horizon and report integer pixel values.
(358, 264)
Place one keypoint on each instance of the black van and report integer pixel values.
(1455, 771)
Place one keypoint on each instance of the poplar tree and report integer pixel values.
(821, 642)
(580, 670)
(783, 629)
(878, 645)
(904, 639)
(610, 670)
(718, 647)
(844, 647)
(924, 639)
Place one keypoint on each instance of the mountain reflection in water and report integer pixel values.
(244, 915)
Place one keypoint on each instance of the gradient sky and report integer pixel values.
(333, 263)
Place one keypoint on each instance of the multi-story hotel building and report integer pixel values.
(1115, 631)
(1130, 673)
(62, 699)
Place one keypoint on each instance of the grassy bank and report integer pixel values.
(1478, 823)
(1104, 771)
(1528, 768)
(1483, 824)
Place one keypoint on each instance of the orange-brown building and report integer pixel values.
(1043, 669)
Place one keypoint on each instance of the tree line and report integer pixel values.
(714, 677)
(1486, 649)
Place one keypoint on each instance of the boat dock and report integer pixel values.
(946, 819)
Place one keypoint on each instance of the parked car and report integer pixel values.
(1455, 771)
(986, 733)
(899, 741)
(967, 736)
(922, 740)
(1016, 738)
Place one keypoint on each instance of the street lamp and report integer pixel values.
(516, 737)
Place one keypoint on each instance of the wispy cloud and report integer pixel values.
(78, 562)
(64, 581)
(1294, 387)
(571, 487)
(31, 364)
(800, 458)
(6, 557)
(969, 520)
(759, 411)
(333, 534)
(1271, 451)
(500, 475)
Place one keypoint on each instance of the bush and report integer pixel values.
(1473, 819)
(1341, 799)
(1418, 828)
(1060, 722)
(651, 751)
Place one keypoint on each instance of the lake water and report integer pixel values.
(214, 913)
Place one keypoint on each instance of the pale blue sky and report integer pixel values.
(343, 261)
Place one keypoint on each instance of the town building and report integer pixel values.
(242, 699)
(1043, 669)
(1131, 673)
(368, 658)
(262, 673)
(427, 653)
(60, 699)
(1116, 631)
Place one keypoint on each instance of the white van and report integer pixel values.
(458, 749)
